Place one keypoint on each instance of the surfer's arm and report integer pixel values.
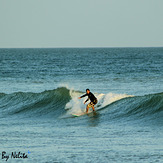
(82, 96)
(86, 100)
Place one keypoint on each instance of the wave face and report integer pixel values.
(63, 102)
(50, 102)
(148, 108)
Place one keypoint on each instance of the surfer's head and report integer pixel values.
(87, 91)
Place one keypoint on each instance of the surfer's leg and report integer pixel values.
(93, 108)
(93, 104)
(87, 109)
(88, 106)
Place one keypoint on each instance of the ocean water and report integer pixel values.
(39, 90)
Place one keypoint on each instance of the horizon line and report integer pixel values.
(80, 47)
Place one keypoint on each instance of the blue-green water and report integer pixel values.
(38, 94)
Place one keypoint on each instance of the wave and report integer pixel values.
(34, 104)
(63, 101)
(148, 108)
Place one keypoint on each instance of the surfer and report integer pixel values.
(92, 98)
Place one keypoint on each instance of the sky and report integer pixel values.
(81, 23)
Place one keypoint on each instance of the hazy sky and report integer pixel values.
(81, 23)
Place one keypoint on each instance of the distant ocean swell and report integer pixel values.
(63, 101)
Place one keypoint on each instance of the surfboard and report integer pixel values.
(79, 114)
(83, 113)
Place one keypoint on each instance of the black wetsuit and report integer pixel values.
(90, 97)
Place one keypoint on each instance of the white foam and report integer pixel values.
(112, 97)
